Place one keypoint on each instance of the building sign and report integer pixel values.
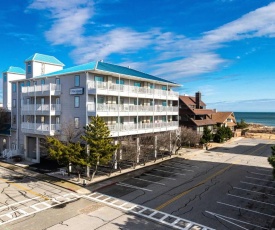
(76, 91)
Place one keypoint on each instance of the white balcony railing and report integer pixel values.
(130, 89)
(131, 108)
(39, 127)
(41, 88)
(41, 107)
(141, 126)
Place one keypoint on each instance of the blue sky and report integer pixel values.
(223, 48)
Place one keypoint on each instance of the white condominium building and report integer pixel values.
(50, 97)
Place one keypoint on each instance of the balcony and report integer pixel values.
(108, 88)
(42, 90)
(40, 128)
(131, 110)
(139, 128)
(41, 109)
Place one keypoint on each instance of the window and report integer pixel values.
(164, 103)
(42, 119)
(135, 101)
(34, 83)
(42, 81)
(76, 80)
(135, 120)
(98, 78)
(13, 87)
(5, 77)
(42, 100)
(120, 81)
(28, 83)
(100, 100)
(76, 122)
(57, 81)
(122, 120)
(57, 120)
(29, 67)
(164, 87)
(57, 101)
(21, 85)
(76, 101)
(163, 118)
(14, 119)
(151, 85)
(14, 103)
(151, 102)
(137, 84)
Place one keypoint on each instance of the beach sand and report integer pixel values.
(260, 131)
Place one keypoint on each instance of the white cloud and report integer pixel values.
(176, 55)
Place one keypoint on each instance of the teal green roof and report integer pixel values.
(44, 58)
(106, 67)
(128, 71)
(13, 69)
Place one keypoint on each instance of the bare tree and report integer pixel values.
(189, 137)
(164, 143)
(147, 147)
(128, 147)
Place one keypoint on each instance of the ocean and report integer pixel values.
(263, 118)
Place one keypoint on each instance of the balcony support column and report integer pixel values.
(155, 146)
(115, 155)
(37, 150)
(138, 149)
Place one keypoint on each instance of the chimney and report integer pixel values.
(198, 100)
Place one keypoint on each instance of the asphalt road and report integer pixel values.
(226, 188)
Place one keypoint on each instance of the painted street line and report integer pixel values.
(20, 202)
(260, 174)
(169, 172)
(257, 185)
(26, 211)
(238, 207)
(251, 199)
(247, 190)
(165, 177)
(260, 179)
(266, 170)
(188, 165)
(132, 186)
(148, 181)
(163, 165)
(157, 216)
(229, 218)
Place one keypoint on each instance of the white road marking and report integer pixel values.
(148, 181)
(260, 179)
(169, 172)
(159, 176)
(261, 174)
(251, 199)
(266, 170)
(226, 217)
(192, 166)
(176, 168)
(257, 185)
(253, 191)
(238, 207)
(132, 186)
(20, 202)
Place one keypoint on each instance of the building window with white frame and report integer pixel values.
(76, 101)
(57, 81)
(42, 81)
(14, 103)
(76, 122)
(13, 87)
(76, 80)
(57, 120)
(29, 67)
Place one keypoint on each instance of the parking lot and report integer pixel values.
(226, 188)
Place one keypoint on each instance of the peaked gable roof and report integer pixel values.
(14, 69)
(188, 100)
(220, 117)
(44, 58)
(106, 67)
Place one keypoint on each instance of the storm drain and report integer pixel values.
(161, 217)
